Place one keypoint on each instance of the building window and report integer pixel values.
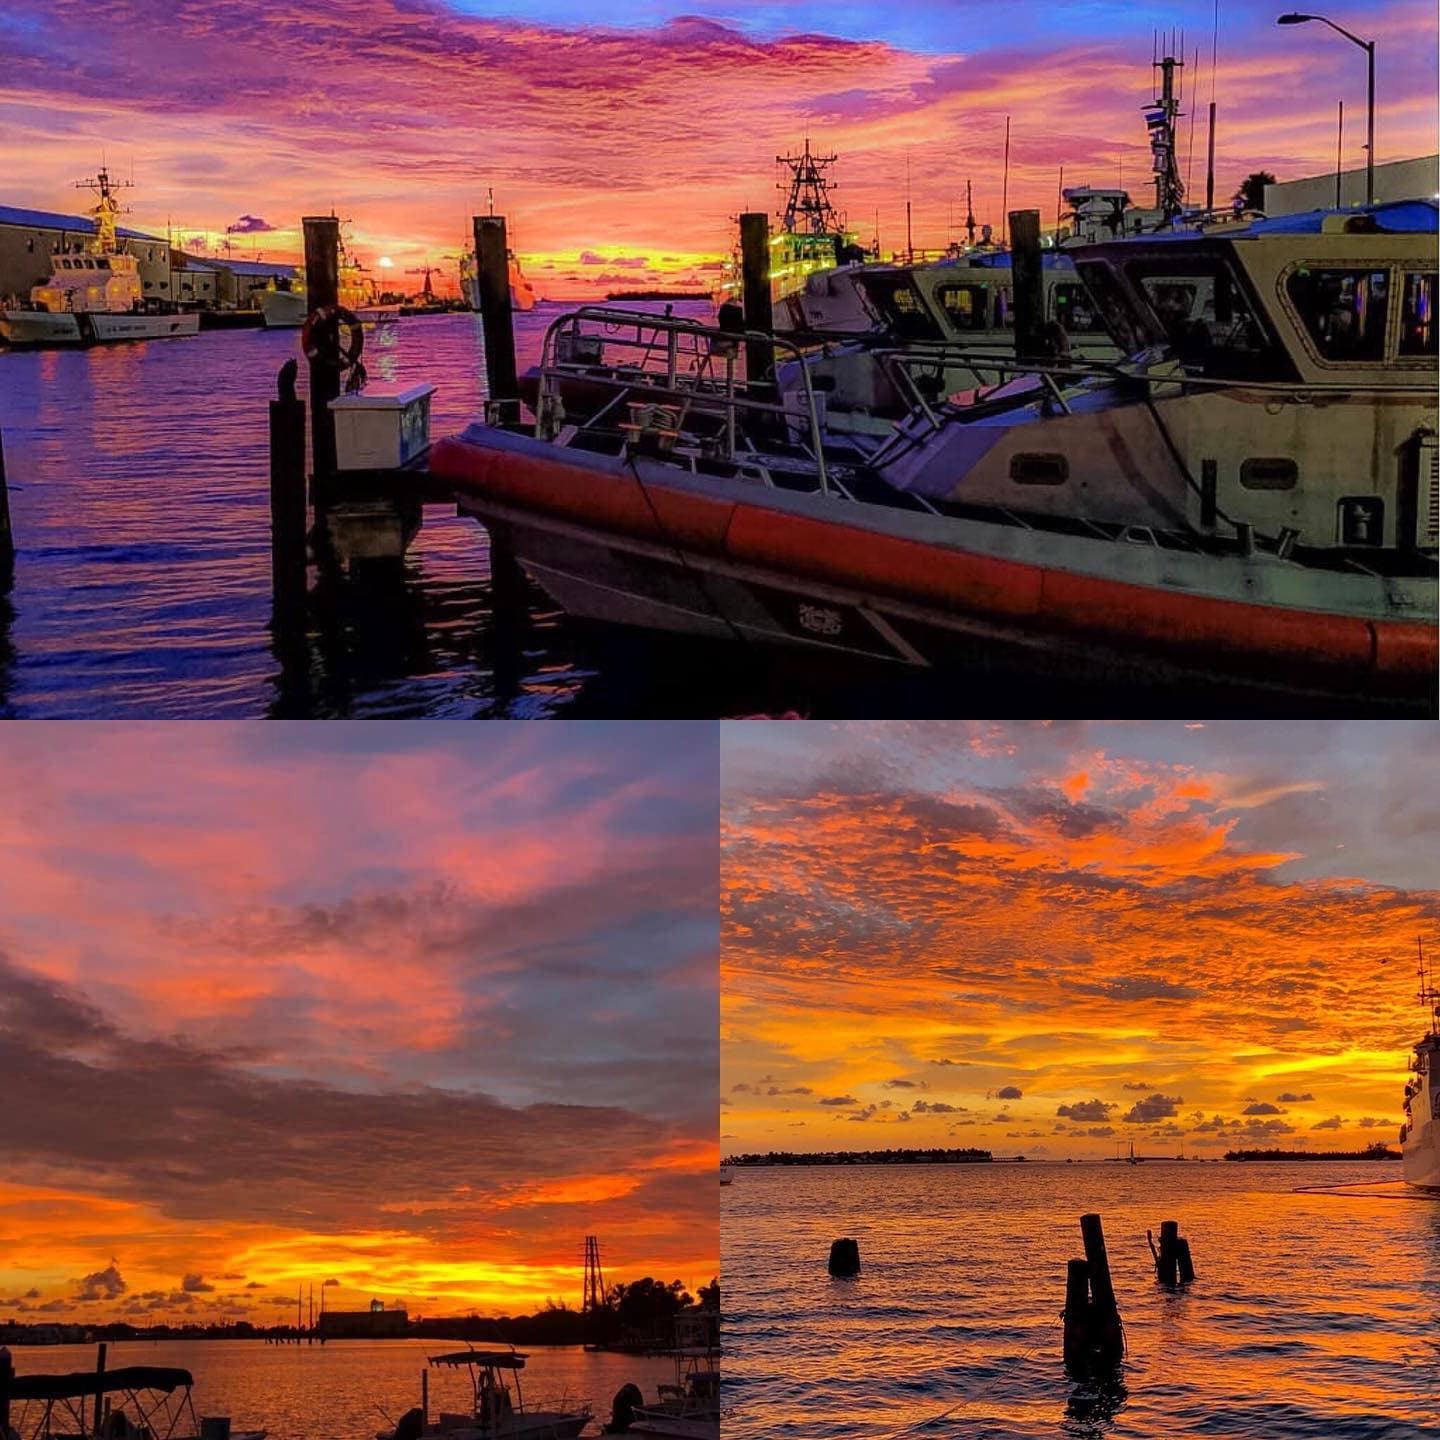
(1417, 314)
(1343, 311)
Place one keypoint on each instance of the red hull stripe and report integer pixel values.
(852, 558)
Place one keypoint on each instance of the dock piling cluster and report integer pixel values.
(845, 1257)
(1173, 1265)
(1094, 1339)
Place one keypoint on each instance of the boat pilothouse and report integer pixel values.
(1280, 378)
(1420, 1134)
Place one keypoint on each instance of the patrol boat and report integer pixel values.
(1248, 502)
(94, 295)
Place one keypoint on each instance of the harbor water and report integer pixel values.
(349, 1390)
(140, 504)
(1315, 1316)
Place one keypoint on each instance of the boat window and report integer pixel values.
(1204, 315)
(966, 306)
(1418, 331)
(1074, 309)
(1269, 473)
(1113, 308)
(103, 263)
(1343, 310)
(899, 303)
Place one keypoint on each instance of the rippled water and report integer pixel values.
(1313, 1315)
(139, 495)
(346, 1390)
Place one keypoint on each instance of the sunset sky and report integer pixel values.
(619, 151)
(408, 1008)
(1051, 939)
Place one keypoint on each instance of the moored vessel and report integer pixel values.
(1248, 502)
(94, 295)
(499, 1411)
(1420, 1134)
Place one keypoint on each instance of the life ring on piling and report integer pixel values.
(320, 336)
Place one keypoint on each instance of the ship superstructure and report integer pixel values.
(1420, 1134)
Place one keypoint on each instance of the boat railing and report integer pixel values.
(682, 365)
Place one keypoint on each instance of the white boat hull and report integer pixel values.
(107, 329)
(283, 309)
(378, 314)
(1421, 1148)
(39, 327)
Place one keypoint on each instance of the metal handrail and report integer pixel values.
(673, 327)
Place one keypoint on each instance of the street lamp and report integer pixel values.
(1368, 46)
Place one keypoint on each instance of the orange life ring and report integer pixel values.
(320, 336)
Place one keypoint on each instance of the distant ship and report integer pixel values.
(94, 295)
(522, 292)
(1420, 1134)
(284, 305)
(812, 238)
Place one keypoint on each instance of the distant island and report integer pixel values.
(866, 1157)
(1377, 1151)
(657, 295)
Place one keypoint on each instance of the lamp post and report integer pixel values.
(1368, 46)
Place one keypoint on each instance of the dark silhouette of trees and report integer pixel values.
(1251, 194)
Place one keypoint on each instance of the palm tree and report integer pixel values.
(1251, 194)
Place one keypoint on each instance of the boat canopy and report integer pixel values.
(500, 1359)
(1395, 217)
(90, 1382)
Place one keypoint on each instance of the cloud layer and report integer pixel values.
(640, 139)
(404, 1011)
(1060, 937)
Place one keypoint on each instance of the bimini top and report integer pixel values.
(500, 1359)
(89, 1382)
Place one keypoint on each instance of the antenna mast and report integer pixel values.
(1429, 996)
(809, 209)
(1160, 117)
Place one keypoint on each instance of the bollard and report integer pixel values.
(492, 265)
(1166, 1261)
(845, 1257)
(1182, 1256)
(287, 497)
(1027, 277)
(1077, 1315)
(755, 295)
(322, 288)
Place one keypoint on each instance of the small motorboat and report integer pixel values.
(499, 1411)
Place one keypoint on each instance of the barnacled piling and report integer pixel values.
(845, 1257)
(1167, 1263)
(1182, 1256)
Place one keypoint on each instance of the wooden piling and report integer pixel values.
(288, 510)
(7, 1374)
(322, 288)
(1182, 1257)
(1107, 1338)
(1027, 277)
(755, 294)
(845, 1257)
(1167, 1262)
(1077, 1315)
(99, 1385)
(425, 1396)
(7, 537)
(492, 262)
